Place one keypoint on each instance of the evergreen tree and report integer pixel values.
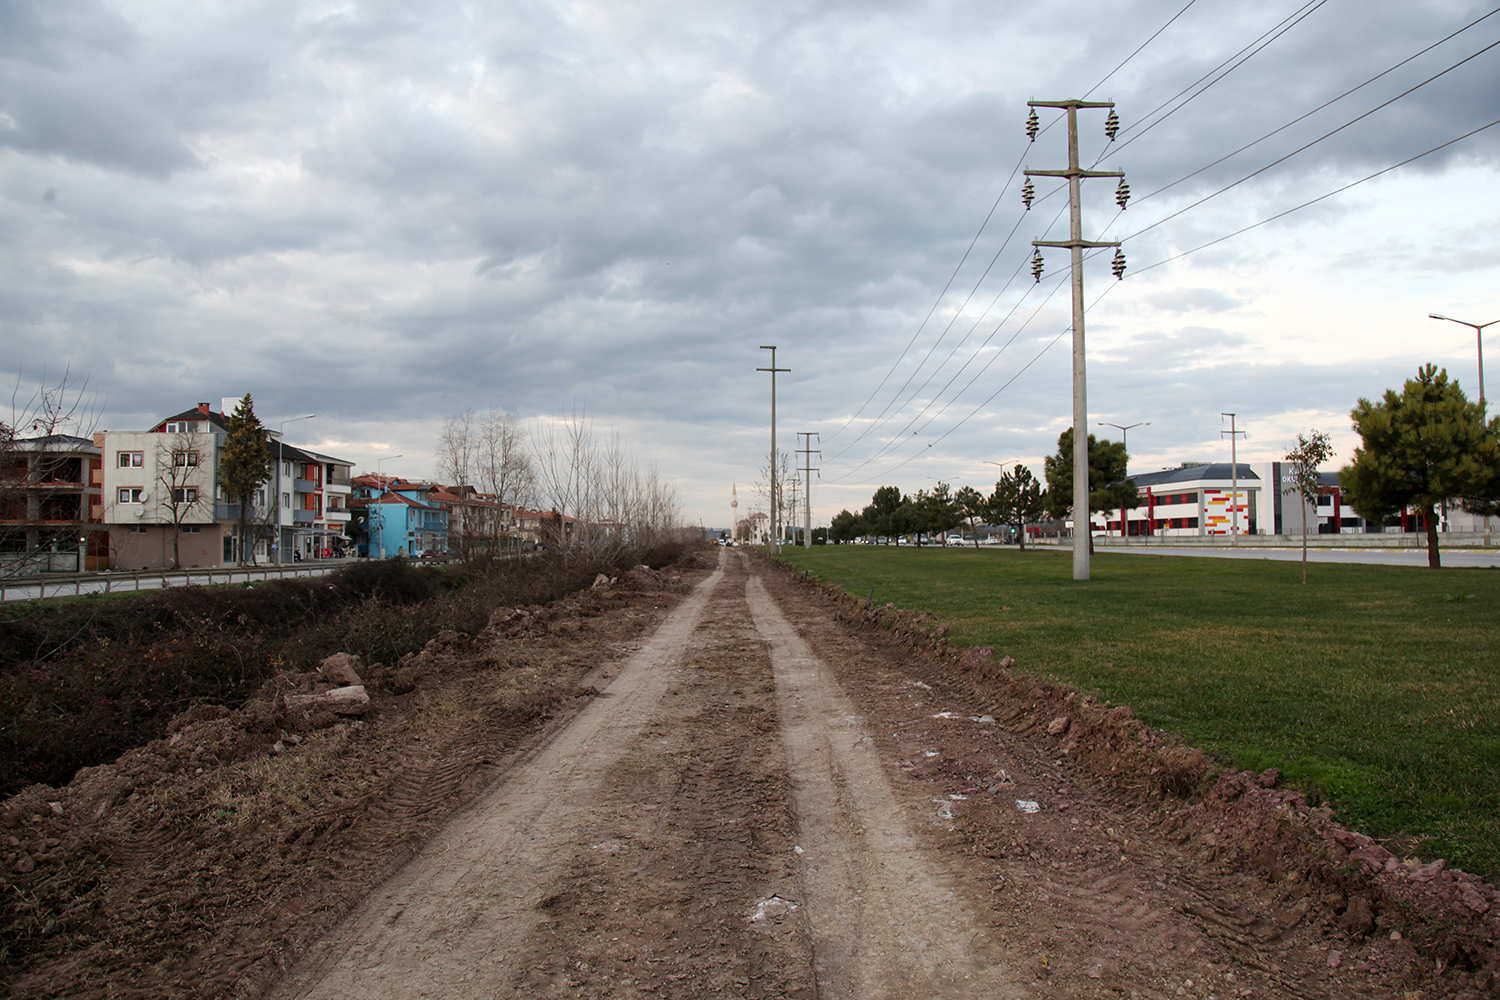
(974, 507)
(1019, 499)
(1425, 447)
(244, 467)
(1109, 487)
(846, 527)
(884, 513)
(937, 512)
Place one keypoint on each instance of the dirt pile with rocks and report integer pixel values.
(192, 866)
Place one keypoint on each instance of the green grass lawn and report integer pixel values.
(1375, 688)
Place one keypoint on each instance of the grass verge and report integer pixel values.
(1375, 688)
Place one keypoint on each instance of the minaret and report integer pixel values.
(734, 504)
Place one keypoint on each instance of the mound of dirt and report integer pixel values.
(196, 865)
(1366, 890)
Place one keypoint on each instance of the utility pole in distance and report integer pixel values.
(807, 452)
(1082, 523)
(1234, 479)
(775, 493)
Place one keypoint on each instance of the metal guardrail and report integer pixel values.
(35, 588)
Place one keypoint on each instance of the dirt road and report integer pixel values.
(715, 781)
(760, 804)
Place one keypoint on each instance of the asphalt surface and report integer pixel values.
(1481, 558)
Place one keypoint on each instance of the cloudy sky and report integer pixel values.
(389, 212)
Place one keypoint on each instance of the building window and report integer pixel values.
(191, 529)
(185, 494)
(132, 460)
(185, 459)
(286, 500)
(286, 469)
(132, 494)
(137, 529)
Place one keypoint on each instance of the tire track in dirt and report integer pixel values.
(448, 923)
(883, 921)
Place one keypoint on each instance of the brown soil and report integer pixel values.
(727, 783)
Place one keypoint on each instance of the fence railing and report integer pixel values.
(34, 588)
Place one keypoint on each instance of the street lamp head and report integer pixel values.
(1437, 316)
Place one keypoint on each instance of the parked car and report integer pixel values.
(955, 540)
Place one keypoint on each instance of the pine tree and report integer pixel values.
(1425, 447)
(1109, 487)
(1019, 499)
(244, 467)
(974, 507)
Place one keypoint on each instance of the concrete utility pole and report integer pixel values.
(807, 453)
(1082, 523)
(775, 493)
(1234, 479)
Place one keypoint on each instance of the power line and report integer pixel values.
(1314, 201)
(1258, 45)
(879, 418)
(975, 240)
(1314, 142)
(1320, 107)
(895, 441)
(1005, 187)
(1137, 51)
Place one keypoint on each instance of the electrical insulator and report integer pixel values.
(1112, 125)
(1118, 265)
(1032, 125)
(1036, 264)
(1122, 194)
(1028, 194)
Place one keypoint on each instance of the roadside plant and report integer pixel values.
(1304, 481)
(1426, 447)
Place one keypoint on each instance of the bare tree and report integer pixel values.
(456, 453)
(504, 469)
(776, 479)
(44, 468)
(184, 494)
(1303, 479)
(608, 497)
(567, 467)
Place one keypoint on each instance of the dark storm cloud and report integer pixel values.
(402, 212)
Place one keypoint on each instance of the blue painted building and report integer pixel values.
(401, 521)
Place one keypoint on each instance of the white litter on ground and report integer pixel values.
(772, 906)
(1027, 806)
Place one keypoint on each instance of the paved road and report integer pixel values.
(116, 583)
(1383, 557)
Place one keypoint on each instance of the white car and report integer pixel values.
(955, 540)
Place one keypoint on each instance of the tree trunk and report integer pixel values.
(1304, 537)
(1434, 561)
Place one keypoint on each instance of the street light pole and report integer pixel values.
(387, 458)
(1124, 523)
(1234, 477)
(281, 430)
(1479, 336)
